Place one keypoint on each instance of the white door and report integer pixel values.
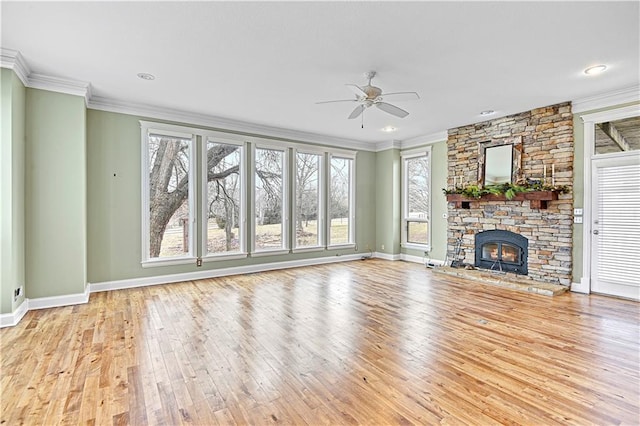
(615, 228)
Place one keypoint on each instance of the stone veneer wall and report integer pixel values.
(547, 138)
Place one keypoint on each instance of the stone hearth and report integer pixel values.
(507, 280)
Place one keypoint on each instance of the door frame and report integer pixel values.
(589, 123)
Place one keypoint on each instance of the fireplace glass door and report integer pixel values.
(502, 252)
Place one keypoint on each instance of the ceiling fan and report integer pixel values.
(367, 96)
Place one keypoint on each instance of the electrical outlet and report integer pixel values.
(577, 212)
(577, 219)
(17, 293)
(382, 247)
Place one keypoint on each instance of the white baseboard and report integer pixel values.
(584, 286)
(213, 273)
(58, 301)
(386, 256)
(12, 319)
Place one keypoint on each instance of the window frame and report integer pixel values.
(322, 197)
(352, 200)
(227, 139)
(285, 248)
(405, 157)
(146, 129)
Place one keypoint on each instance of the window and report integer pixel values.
(341, 201)
(270, 210)
(168, 213)
(417, 200)
(230, 171)
(223, 199)
(308, 200)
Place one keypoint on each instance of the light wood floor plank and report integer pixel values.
(372, 342)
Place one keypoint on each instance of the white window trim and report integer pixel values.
(270, 252)
(223, 138)
(146, 128)
(285, 225)
(322, 196)
(352, 201)
(407, 155)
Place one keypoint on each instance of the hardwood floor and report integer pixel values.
(372, 342)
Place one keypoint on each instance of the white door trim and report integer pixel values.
(589, 122)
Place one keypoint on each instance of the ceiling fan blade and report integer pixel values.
(357, 90)
(392, 109)
(400, 96)
(356, 112)
(339, 100)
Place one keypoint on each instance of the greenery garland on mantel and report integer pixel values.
(509, 190)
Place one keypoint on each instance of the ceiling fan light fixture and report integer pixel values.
(595, 69)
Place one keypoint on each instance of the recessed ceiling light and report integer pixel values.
(596, 69)
(487, 112)
(389, 129)
(146, 76)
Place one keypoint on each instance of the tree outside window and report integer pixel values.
(169, 207)
(340, 208)
(223, 198)
(307, 202)
(269, 199)
(417, 175)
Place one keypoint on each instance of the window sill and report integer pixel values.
(168, 262)
(274, 252)
(342, 246)
(414, 246)
(308, 249)
(224, 256)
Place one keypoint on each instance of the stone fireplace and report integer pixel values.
(547, 144)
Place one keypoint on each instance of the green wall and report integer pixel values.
(114, 204)
(55, 194)
(388, 201)
(12, 190)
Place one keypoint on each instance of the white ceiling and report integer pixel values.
(267, 63)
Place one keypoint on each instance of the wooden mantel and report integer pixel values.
(537, 199)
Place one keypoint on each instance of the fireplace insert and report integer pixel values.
(503, 251)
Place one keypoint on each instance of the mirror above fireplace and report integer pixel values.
(499, 161)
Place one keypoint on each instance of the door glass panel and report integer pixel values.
(617, 136)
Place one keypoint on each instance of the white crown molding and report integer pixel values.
(425, 140)
(417, 141)
(604, 100)
(61, 85)
(13, 60)
(392, 144)
(220, 123)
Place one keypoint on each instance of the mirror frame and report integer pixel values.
(516, 166)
